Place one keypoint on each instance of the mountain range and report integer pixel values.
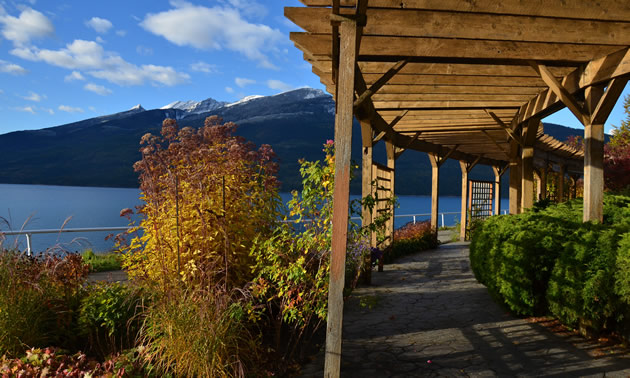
(101, 151)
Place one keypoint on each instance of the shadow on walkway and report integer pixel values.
(426, 316)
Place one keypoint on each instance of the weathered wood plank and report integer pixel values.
(343, 148)
(397, 47)
(448, 24)
(444, 104)
(449, 97)
(459, 89)
(578, 9)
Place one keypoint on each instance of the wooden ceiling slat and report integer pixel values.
(325, 65)
(448, 24)
(455, 89)
(445, 97)
(396, 47)
(445, 104)
(576, 9)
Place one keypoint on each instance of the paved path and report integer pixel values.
(112, 276)
(429, 317)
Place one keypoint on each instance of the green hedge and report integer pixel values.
(547, 261)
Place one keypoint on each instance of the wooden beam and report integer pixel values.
(343, 147)
(393, 48)
(403, 149)
(530, 133)
(380, 82)
(608, 100)
(616, 10)
(452, 24)
(496, 143)
(378, 137)
(565, 96)
(602, 70)
(368, 112)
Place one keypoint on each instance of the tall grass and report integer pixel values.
(200, 333)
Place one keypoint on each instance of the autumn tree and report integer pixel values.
(617, 154)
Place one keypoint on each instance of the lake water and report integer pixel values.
(49, 206)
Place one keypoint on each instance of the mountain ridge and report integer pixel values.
(101, 151)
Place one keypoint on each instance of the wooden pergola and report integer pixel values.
(464, 80)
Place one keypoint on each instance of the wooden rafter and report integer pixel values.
(379, 83)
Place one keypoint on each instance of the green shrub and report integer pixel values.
(102, 262)
(514, 255)
(548, 261)
(110, 317)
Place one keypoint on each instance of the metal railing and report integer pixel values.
(30, 233)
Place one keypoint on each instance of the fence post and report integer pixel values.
(29, 252)
(442, 214)
(414, 219)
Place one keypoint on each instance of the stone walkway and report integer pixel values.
(426, 316)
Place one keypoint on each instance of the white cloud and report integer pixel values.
(214, 28)
(242, 82)
(229, 89)
(100, 40)
(11, 68)
(32, 96)
(279, 85)
(121, 33)
(70, 109)
(250, 8)
(50, 111)
(98, 89)
(203, 67)
(93, 109)
(100, 25)
(91, 57)
(29, 25)
(26, 109)
(74, 76)
(143, 50)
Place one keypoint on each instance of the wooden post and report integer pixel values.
(527, 178)
(593, 161)
(435, 188)
(366, 190)
(543, 181)
(391, 163)
(560, 194)
(537, 177)
(341, 194)
(497, 189)
(515, 187)
(465, 169)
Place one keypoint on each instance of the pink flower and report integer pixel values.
(330, 142)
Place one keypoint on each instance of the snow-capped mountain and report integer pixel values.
(196, 107)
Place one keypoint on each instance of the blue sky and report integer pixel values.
(64, 61)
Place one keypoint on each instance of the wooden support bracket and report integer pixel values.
(565, 96)
(403, 149)
(505, 127)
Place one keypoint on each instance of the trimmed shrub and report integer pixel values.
(411, 238)
(548, 261)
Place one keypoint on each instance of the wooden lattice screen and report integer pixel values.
(480, 200)
(384, 179)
